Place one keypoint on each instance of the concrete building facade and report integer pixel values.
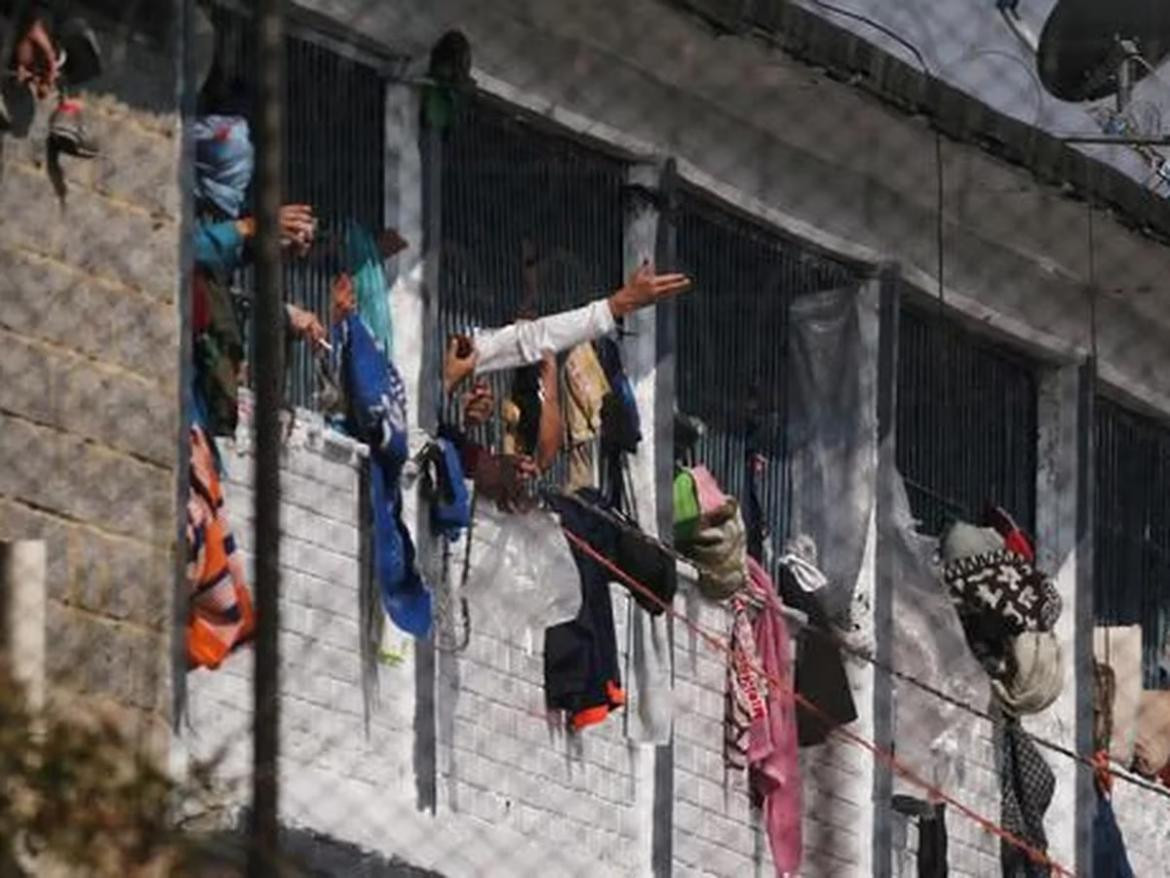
(449, 762)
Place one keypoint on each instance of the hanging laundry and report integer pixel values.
(523, 576)
(1119, 648)
(621, 427)
(820, 672)
(581, 674)
(686, 507)
(718, 545)
(636, 553)
(760, 718)
(1027, 784)
(220, 617)
(377, 417)
(1151, 746)
(1109, 857)
(997, 593)
(931, 820)
(1035, 673)
(445, 488)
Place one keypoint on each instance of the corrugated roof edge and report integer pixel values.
(815, 41)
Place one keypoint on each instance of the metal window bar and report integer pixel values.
(1132, 529)
(507, 182)
(732, 341)
(966, 421)
(335, 153)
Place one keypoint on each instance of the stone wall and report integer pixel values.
(89, 351)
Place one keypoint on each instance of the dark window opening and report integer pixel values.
(732, 340)
(966, 423)
(1132, 528)
(334, 160)
(513, 192)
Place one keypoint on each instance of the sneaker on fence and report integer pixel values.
(68, 132)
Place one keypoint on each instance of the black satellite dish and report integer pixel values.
(1087, 44)
(1091, 49)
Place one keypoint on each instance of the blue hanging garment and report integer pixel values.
(450, 501)
(369, 284)
(377, 417)
(621, 427)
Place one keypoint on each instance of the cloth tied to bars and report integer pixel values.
(376, 403)
(718, 543)
(220, 616)
(760, 718)
(1000, 596)
(224, 161)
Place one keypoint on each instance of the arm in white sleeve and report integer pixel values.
(524, 343)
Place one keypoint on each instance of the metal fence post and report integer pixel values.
(268, 371)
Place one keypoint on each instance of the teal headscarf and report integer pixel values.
(369, 284)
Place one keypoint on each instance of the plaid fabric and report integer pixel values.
(1027, 785)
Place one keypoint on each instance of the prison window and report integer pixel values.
(514, 193)
(966, 423)
(1132, 528)
(334, 160)
(732, 333)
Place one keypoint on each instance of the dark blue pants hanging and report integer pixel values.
(581, 674)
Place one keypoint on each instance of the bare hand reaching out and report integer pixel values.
(646, 288)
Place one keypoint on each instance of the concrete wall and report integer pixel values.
(1016, 263)
(89, 332)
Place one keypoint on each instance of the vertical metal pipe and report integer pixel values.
(270, 61)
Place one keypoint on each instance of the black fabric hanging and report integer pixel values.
(820, 672)
(581, 674)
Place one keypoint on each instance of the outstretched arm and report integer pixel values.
(524, 343)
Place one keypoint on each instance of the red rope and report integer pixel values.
(716, 642)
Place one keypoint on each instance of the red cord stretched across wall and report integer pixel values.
(718, 643)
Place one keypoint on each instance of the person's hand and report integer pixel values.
(507, 479)
(458, 362)
(646, 288)
(297, 227)
(548, 372)
(342, 298)
(391, 243)
(36, 60)
(306, 325)
(478, 404)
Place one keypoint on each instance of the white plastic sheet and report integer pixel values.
(523, 578)
(934, 737)
(832, 432)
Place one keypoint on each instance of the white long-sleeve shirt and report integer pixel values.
(525, 342)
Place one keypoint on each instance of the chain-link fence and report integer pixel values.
(626, 437)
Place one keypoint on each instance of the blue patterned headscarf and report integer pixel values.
(224, 160)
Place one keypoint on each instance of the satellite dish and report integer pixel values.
(1091, 49)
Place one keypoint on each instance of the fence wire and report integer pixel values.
(284, 593)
